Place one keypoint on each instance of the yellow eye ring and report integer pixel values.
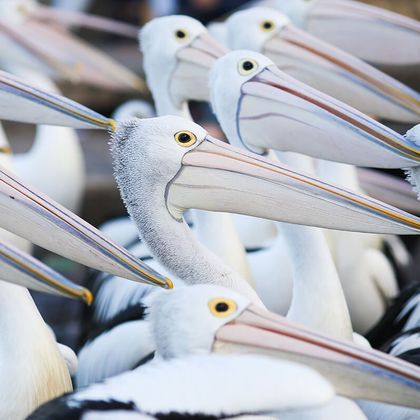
(222, 307)
(247, 66)
(185, 138)
(267, 25)
(181, 34)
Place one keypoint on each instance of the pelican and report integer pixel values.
(171, 99)
(54, 51)
(321, 65)
(32, 368)
(27, 213)
(170, 197)
(277, 291)
(244, 81)
(366, 31)
(209, 319)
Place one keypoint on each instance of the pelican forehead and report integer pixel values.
(151, 144)
(252, 28)
(195, 313)
(296, 10)
(162, 37)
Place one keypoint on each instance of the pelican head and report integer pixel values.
(253, 28)
(177, 55)
(262, 108)
(208, 319)
(322, 65)
(170, 164)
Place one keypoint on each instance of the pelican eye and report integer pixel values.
(181, 34)
(247, 66)
(267, 25)
(222, 307)
(185, 138)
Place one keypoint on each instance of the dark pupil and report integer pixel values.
(247, 65)
(184, 138)
(180, 34)
(267, 25)
(222, 307)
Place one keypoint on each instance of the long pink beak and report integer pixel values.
(356, 372)
(342, 75)
(53, 49)
(33, 216)
(85, 20)
(277, 112)
(373, 34)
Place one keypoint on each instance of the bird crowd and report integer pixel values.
(257, 275)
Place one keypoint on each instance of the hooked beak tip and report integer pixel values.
(87, 296)
(169, 284)
(112, 125)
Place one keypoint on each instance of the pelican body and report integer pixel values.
(208, 319)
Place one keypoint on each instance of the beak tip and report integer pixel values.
(169, 284)
(87, 296)
(112, 125)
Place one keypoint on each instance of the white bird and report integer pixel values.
(27, 213)
(157, 193)
(276, 289)
(248, 90)
(32, 367)
(366, 31)
(322, 66)
(206, 319)
(154, 195)
(159, 65)
(186, 142)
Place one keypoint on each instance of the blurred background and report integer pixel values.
(102, 201)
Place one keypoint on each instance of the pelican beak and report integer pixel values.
(49, 48)
(355, 372)
(274, 110)
(366, 31)
(216, 176)
(345, 77)
(22, 269)
(191, 74)
(79, 19)
(33, 216)
(19, 101)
